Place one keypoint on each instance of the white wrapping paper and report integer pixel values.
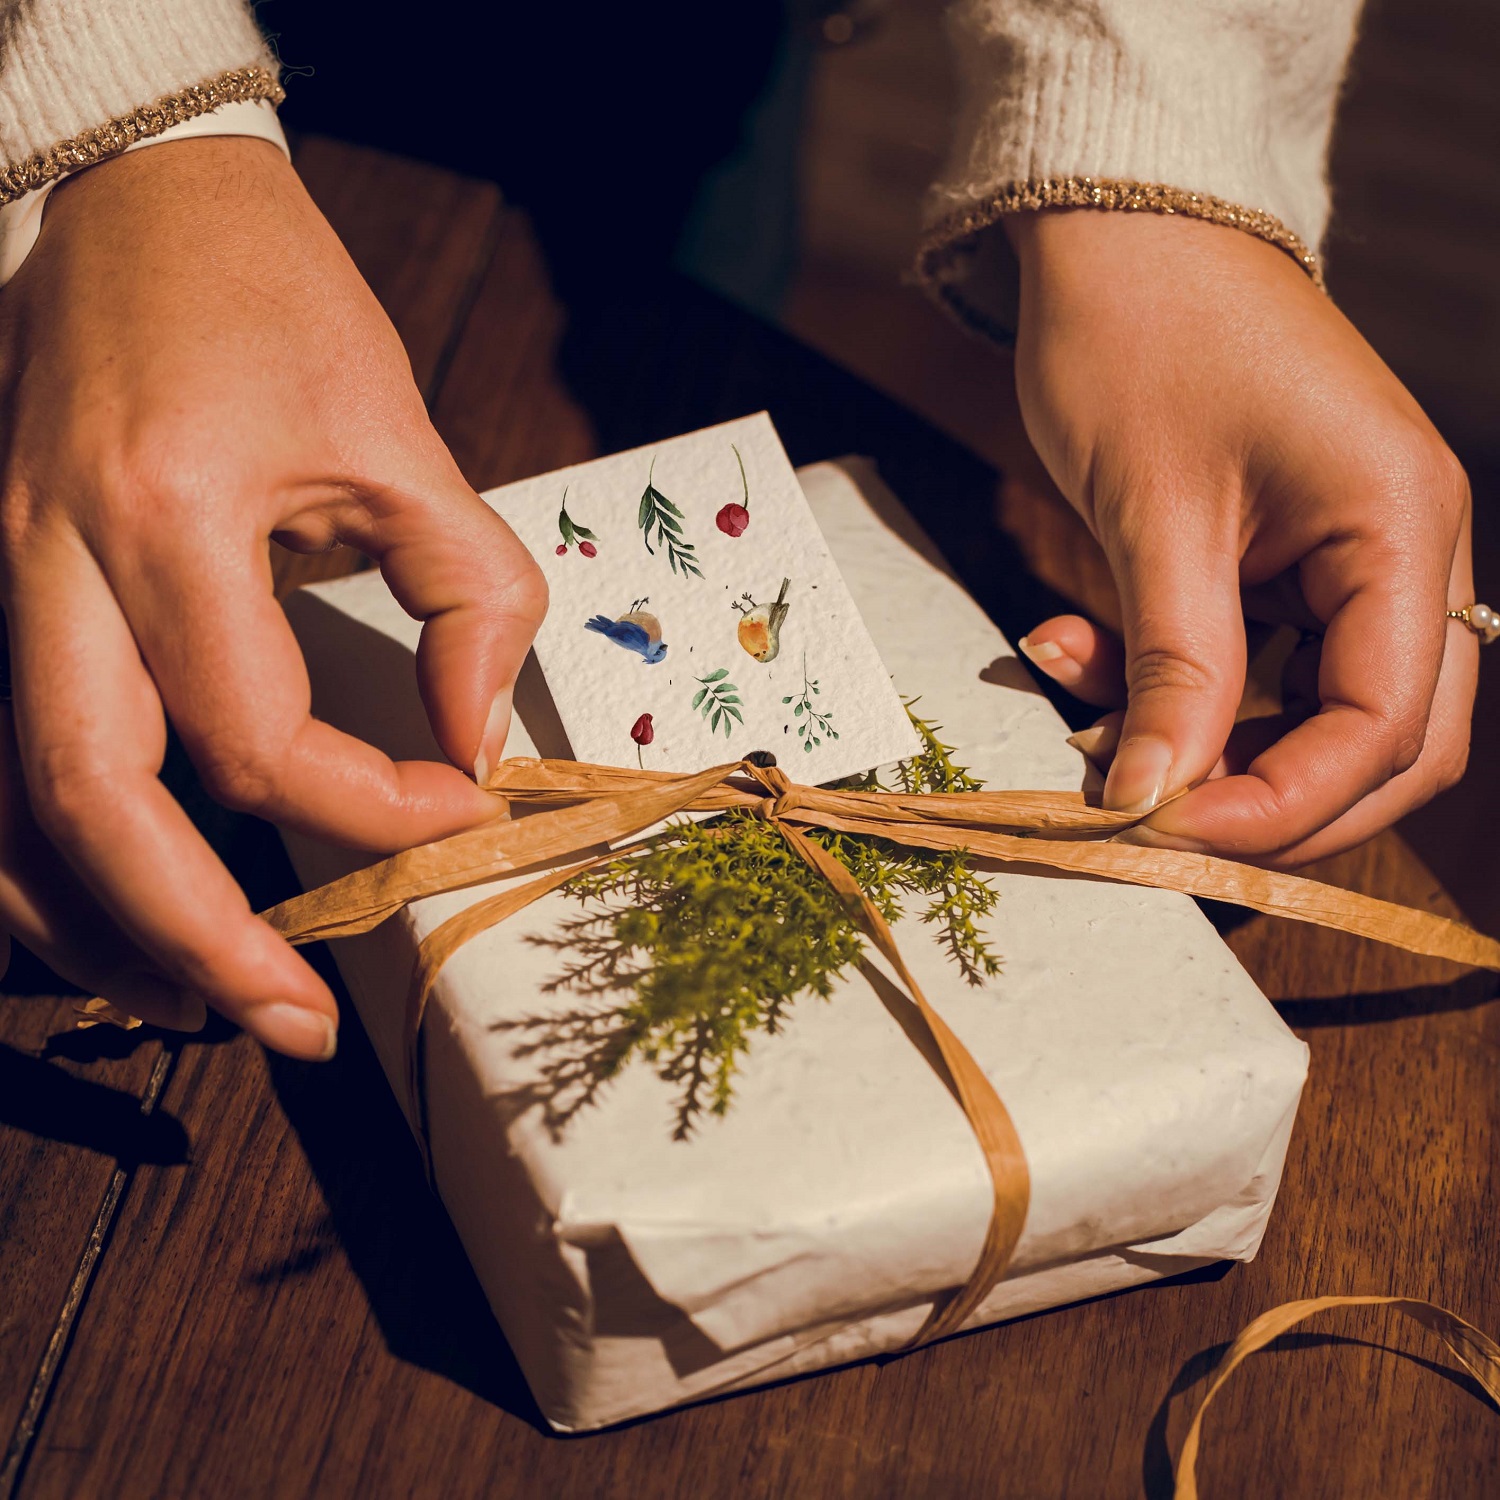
(1152, 1085)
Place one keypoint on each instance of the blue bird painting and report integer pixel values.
(636, 630)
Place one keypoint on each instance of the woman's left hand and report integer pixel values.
(1239, 450)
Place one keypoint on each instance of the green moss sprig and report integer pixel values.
(690, 948)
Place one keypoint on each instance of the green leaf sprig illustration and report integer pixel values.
(814, 724)
(718, 700)
(690, 948)
(659, 515)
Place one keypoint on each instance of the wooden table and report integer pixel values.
(222, 1273)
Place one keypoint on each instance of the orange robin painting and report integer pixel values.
(759, 629)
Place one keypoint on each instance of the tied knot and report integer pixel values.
(784, 798)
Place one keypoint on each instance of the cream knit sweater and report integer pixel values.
(1217, 108)
(83, 79)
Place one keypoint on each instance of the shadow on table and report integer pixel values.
(398, 1239)
(1465, 993)
(1157, 1458)
(45, 1101)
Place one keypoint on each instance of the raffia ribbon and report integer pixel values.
(586, 810)
(1476, 1351)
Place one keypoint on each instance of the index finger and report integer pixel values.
(454, 564)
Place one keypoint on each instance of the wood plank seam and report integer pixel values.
(19, 1449)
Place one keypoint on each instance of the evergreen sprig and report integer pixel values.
(658, 514)
(690, 948)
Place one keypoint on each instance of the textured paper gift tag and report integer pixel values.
(697, 614)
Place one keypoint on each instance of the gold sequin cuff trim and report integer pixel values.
(103, 141)
(947, 240)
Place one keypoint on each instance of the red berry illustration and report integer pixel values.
(642, 732)
(732, 520)
(571, 532)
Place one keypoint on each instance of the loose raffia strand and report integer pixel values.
(1475, 1350)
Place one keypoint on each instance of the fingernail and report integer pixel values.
(1097, 744)
(492, 741)
(192, 1012)
(1138, 778)
(1051, 659)
(1150, 838)
(294, 1029)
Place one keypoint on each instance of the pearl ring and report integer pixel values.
(1481, 619)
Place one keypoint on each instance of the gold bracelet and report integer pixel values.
(97, 144)
(948, 239)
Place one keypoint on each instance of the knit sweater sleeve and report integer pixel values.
(82, 79)
(1217, 109)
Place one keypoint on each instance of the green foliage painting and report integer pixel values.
(811, 724)
(659, 516)
(718, 700)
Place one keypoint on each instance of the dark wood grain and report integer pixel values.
(68, 1118)
(289, 1313)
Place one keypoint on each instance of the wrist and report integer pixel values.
(1137, 252)
(249, 122)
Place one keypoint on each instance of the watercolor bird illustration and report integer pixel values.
(759, 630)
(636, 630)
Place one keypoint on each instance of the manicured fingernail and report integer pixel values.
(1148, 837)
(1138, 778)
(492, 741)
(294, 1029)
(1051, 659)
(1097, 744)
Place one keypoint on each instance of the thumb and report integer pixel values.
(1184, 659)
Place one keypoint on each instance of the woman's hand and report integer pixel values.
(190, 365)
(1226, 434)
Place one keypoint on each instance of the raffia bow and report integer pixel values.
(575, 809)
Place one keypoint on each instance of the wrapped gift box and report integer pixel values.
(1152, 1085)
